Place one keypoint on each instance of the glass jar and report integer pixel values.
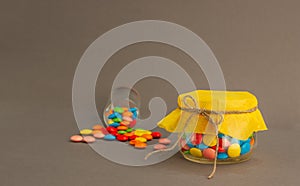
(122, 99)
(201, 148)
(233, 115)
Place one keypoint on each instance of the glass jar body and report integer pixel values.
(127, 100)
(201, 148)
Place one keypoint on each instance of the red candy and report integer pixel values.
(156, 135)
(132, 137)
(220, 149)
(122, 138)
(198, 138)
(132, 124)
(224, 143)
(111, 129)
(209, 153)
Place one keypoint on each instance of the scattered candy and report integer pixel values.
(148, 137)
(122, 138)
(121, 122)
(140, 145)
(99, 135)
(165, 141)
(129, 134)
(156, 135)
(96, 131)
(132, 142)
(97, 127)
(141, 139)
(122, 132)
(159, 146)
(109, 137)
(89, 139)
(76, 138)
(86, 131)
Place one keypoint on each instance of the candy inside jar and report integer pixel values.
(122, 108)
(201, 148)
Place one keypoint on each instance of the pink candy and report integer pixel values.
(165, 141)
(159, 146)
(126, 118)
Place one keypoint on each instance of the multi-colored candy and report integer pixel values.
(121, 122)
(204, 146)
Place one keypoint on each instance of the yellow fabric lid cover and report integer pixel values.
(241, 116)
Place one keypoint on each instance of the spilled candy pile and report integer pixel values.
(121, 122)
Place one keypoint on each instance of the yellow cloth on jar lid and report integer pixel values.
(238, 110)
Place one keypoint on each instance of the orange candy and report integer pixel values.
(125, 123)
(132, 142)
(140, 145)
(76, 138)
(252, 142)
(129, 134)
(128, 114)
(125, 108)
(97, 127)
(147, 136)
(122, 128)
(96, 131)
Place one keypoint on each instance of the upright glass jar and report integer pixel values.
(207, 132)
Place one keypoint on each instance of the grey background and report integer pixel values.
(256, 42)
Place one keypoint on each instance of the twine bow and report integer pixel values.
(195, 110)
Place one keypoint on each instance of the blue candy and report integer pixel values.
(222, 156)
(190, 144)
(245, 148)
(118, 115)
(220, 135)
(201, 146)
(109, 137)
(111, 116)
(133, 109)
(134, 116)
(115, 125)
(245, 141)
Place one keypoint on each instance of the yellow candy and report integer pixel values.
(141, 139)
(110, 121)
(140, 132)
(210, 140)
(196, 152)
(86, 131)
(234, 150)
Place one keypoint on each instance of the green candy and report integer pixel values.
(117, 120)
(186, 152)
(118, 110)
(122, 132)
(129, 130)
